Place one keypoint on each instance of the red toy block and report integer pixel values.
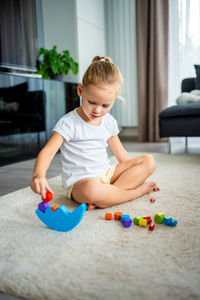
(49, 197)
(151, 227)
(108, 216)
(55, 207)
(149, 220)
(152, 199)
(117, 215)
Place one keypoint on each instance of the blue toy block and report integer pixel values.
(127, 222)
(43, 206)
(123, 217)
(62, 219)
(167, 221)
(173, 223)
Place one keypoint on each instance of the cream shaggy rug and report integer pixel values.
(102, 259)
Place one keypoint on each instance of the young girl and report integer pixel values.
(83, 135)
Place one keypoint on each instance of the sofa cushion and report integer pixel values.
(185, 109)
(193, 96)
(197, 69)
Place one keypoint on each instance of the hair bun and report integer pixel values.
(101, 58)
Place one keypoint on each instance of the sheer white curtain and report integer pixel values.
(121, 47)
(184, 43)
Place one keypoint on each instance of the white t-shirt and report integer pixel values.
(83, 152)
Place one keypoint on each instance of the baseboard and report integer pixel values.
(128, 134)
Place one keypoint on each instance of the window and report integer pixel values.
(18, 34)
(184, 43)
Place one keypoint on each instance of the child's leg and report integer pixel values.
(93, 192)
(127, 184)
(132, 173)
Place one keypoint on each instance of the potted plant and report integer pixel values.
(54, 63)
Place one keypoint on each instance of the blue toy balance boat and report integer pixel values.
(62, 219)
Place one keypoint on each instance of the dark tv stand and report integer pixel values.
(29, 108)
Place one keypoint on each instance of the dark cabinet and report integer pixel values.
(29, 108)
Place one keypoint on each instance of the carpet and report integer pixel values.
(101, 259)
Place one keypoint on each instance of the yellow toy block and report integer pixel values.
(143, 222)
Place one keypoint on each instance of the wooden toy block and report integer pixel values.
(55, 207)
(159, 217)
(62, 219)
(167, 221)
(173, 223)
(151, 227)
(152, 199)
(117, 215)
(136, 220)
(43, 206)
(49, 197)
(143, 222)
(123, 217)
(108, 216)
(149, 220)
(127, 223)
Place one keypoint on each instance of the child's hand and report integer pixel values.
(40, 186)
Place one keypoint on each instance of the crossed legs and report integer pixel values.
(127, 183)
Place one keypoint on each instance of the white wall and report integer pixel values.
(91, 32)
(76, 25)
(97, 27)
(60, 27)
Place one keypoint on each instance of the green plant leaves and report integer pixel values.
(54, 63)
(66, 54)
(41, 51)
(74, 67)
(54, 68)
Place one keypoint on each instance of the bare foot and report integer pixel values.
(91, 206)
(145, 188)
(156, 189)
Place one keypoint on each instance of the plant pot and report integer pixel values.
(58, 77)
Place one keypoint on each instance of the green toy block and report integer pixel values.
(136, 220)
(159, 217)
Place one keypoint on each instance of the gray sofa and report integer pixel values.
(182, 120)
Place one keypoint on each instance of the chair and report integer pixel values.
(182, 120)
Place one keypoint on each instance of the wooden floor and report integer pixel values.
(16, 176)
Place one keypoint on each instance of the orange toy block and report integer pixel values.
(117, 215)
(54, 207)
(108, 216)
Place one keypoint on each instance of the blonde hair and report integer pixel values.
(102, 72)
